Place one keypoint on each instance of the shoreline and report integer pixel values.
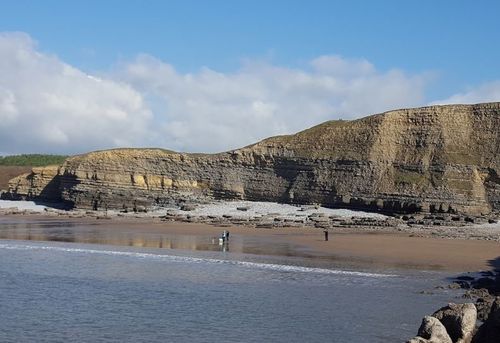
(381, 249)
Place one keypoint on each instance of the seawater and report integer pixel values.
(71, 292)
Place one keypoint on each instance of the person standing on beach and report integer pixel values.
(325, 231)
(227, 236)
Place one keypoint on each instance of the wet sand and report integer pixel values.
(402, 251)
(381, 250)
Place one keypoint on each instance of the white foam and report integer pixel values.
(186, 259)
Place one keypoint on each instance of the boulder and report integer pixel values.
(431, 331)
(188, 207)
(484, 305)
(140, 208)
(489, 332)
(459, 321)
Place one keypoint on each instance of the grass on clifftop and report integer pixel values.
(33, 160)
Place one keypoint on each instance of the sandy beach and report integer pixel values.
(380, 250)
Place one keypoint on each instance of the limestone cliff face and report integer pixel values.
(438, 158)
(41, 183)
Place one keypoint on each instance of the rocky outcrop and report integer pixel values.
(459, 320)
(430, 159)
(431, 331)
(454, 323)
(457, 323)
(489, 332)
(7, 173)
(42, 183)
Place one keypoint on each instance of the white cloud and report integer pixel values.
(487, 92)
(340, 67)
(46, 105)
(212, 111)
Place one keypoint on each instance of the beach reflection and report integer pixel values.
(100, 234)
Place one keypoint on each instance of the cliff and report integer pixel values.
(9, 172)
(429, 159)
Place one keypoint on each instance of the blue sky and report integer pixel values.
(456, 39)
(445, 50)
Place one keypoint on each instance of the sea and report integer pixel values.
(60, 291)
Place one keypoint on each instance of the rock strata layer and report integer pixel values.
(430, 159)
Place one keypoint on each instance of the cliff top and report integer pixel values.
(451, 133)
(432, 134)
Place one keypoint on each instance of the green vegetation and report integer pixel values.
(33, 160)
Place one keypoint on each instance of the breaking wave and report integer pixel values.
(189, 259)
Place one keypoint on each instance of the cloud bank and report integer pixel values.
(487, 92)
(212, 111)
(47, 105)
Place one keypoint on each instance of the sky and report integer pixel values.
(210, 76)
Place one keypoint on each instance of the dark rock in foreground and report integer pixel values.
(489, 332)
(459, 321)
(431, 330)
(454, 323)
